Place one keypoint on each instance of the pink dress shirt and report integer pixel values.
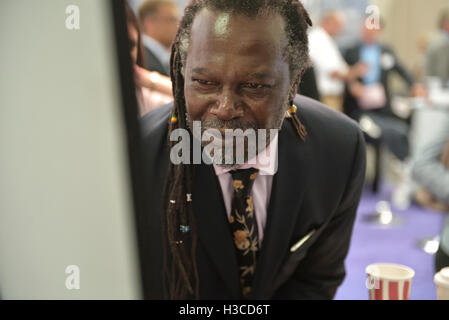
(266, 162)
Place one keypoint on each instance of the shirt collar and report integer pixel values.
(266, 161)
(157, 48)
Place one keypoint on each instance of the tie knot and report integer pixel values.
(243, 180)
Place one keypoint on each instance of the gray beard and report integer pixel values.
(276, 123)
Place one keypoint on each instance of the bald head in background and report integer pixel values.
(333, 23)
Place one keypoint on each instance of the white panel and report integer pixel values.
(65, 194)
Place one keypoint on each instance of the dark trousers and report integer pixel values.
(441, 260)
(394, 131)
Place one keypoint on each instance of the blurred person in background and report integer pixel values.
(159, 21)
(437, 62)
(370, 94)
(329, 65)
(419, 67)
(431, 171)
(152, 89)
(430, 168)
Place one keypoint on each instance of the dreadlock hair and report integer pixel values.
(181, 277)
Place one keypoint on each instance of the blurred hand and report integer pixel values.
(426, 200)
(361, 69)
(357, 71)
(152, 80)
(418, 90)
(356, 89)
(338, 75)
(142, 77)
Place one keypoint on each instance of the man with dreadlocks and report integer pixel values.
(244, 231)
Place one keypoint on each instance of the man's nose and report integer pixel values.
(228, 106)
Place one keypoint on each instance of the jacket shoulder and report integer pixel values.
(156, 120)
(152, 62)
(154, 129)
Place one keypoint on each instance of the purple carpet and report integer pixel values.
(396, 244)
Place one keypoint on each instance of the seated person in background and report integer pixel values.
(152, 89)
(159, 21)
(329, 65)
(431, 171)
(152, 80)
(369, 94)
(437, 60)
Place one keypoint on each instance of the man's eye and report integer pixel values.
(204, 82)
(252, 85)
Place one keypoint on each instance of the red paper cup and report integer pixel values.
(388, 281)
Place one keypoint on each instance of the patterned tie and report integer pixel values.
(244, 226)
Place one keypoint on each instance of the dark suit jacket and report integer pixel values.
(152, 63)
(352, 56)
(317, 187)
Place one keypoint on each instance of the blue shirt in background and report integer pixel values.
(370, 55)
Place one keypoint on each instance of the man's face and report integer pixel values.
(339, 24)
(164, 24)
(236, 75)
(334, 25)
(370, 36)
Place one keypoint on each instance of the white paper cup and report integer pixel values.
(388, 281)
(441, 280)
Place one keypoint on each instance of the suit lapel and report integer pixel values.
(285, 203)
(287, 194)
(213, 228)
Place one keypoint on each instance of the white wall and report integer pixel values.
(64, 186)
